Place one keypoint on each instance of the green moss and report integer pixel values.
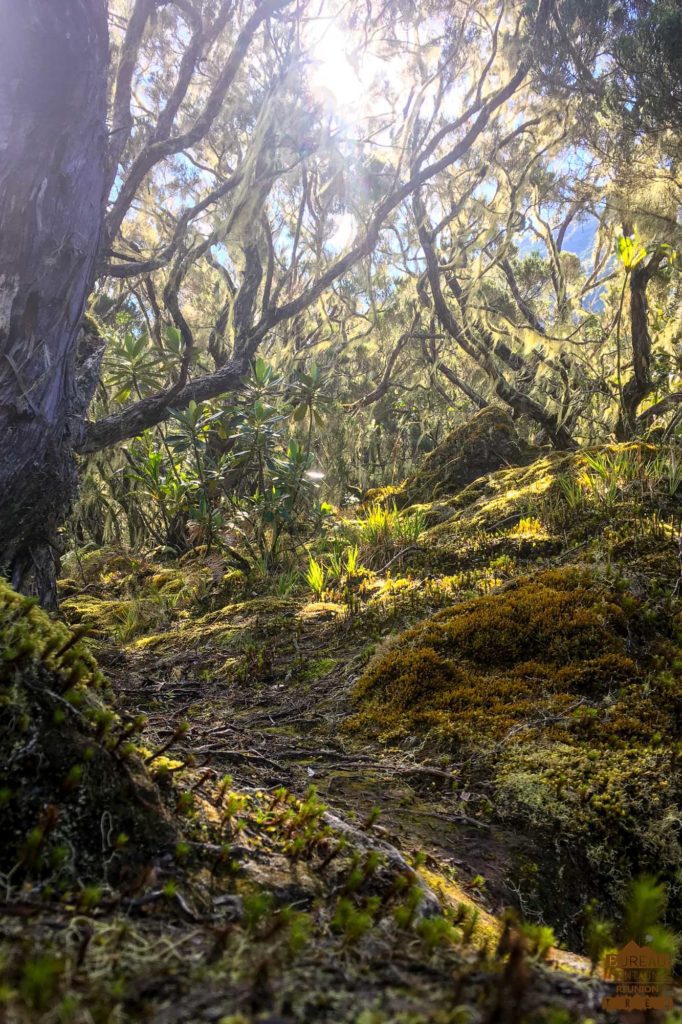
(28, 635)
(317, 669)
(59, 768)
(385, 496)
(488, 442)
(561, 694)
(123, 619)
(487, 663)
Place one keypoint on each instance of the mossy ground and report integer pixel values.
(488, 442)
(515, 765)
(71, 785)
(560, 694)
(264, 903)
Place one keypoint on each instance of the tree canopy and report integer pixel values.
(438, 206)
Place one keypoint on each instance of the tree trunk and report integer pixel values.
(640, 384)
(53, 79)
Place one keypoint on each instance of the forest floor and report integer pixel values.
(342, 784)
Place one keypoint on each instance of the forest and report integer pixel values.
(340, 511)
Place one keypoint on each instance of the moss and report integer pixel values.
(487, 928)
(488, 442)
(385, 496)
(317, 669)
(560, 693)
(488, 662)
(60, 769)
(321, 611)
(27, 634)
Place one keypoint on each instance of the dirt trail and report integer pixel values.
(288, 733)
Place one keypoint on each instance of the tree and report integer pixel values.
(208, 116)
(53, 68)
(625, 58)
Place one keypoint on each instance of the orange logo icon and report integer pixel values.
(642, 979)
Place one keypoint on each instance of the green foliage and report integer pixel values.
(222, 474)
(646, 902)
(315, 577)
(382, 531)
(406, 912)
(28, 635)
(540, 939)
(598, 938)
(437, 931)
(40, 980)
(135, 365)
(630, 251)
(354, 922)
(258, 906)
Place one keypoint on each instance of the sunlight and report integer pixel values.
(336, 78)
(344, 231)
(346, 76)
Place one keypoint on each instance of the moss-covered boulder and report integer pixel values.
(559, 695)
(76, 801)
(488, 442)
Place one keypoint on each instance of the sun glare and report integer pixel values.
(345, 75)
(336, 76)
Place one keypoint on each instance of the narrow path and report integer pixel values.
(281, 735)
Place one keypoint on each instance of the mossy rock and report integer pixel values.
(561, 695)
(487, 443)
(77, 803)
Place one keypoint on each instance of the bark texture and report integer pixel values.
(640, 385)
(53, 68)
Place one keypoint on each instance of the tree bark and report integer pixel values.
(640, 384)
(53, 78)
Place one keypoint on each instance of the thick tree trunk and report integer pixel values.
(53, 78)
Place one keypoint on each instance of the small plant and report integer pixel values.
(315, 577)
(384, 531)
(412, 526)
(540, 938)
(644, 911)
(644, 908)
(598, 938)
(372, 818)
(407, 911)
(352, 561)
(353, 923)
(528, 526)
(299, 927)
(470, 923)
(610, 476)
(666, 471)
(39, 981)
(287, 581)
(89, 898)
(437, 931)
(257, 907)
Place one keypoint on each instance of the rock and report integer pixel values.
(486, 443)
